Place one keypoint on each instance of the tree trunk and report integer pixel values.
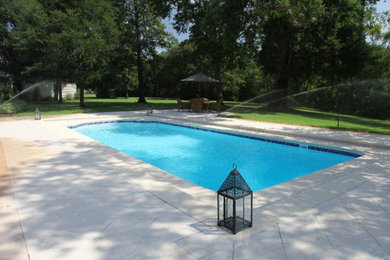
(59, 89)
(282, 81)
(80, 84)
(282, 78)
(127, 91)
(82, 104)
(218, 77)
(55, 91)
(141, 87)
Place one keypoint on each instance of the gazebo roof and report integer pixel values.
(200, 77)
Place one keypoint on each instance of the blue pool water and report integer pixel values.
(205, 157)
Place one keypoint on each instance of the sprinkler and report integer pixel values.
(37, 114)
(149, 111)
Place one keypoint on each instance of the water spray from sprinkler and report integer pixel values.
(22, 92)
(254, 98)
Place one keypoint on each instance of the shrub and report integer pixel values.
(365, 98)
(77, 94)
(5, 92)
(15, 106)
(69, 96)
(7, 109)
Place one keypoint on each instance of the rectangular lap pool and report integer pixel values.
(205, 156)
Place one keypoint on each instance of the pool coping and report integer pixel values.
(268, 203)
(260, 130)
(295, 200)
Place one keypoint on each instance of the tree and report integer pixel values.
(378, 30)
(141, 33)
(69, 40)
(305, 40)
(6, 23)
(175, 64)
(11, 61)
(215, 29)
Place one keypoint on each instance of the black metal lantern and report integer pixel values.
(37, 114)
(236, 210)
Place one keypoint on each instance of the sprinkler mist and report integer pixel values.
(369, 98)
(22, 92)
(258, 99)
(12, 109)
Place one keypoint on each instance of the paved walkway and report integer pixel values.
(73, 198)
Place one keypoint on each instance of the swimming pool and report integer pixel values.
(205, 156)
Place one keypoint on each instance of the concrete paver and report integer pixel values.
(12, 242)
(73, 198)
(349, 238)
(265, 245)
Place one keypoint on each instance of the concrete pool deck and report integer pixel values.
(74, 198)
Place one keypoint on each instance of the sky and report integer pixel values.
(382, 6)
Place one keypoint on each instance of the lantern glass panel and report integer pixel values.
(225, 209)
(248, 208)
(239, 208)
(229, 208)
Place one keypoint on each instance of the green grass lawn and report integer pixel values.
(249, 111)
(312, 117)
(95, 105)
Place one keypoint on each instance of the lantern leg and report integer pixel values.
(218, 209)
(243, 211)
(234, 216)
(224, 210)
(250, 225)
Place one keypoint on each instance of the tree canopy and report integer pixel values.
(251, 47)
(70, 41)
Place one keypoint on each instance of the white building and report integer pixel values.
(47, 89)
